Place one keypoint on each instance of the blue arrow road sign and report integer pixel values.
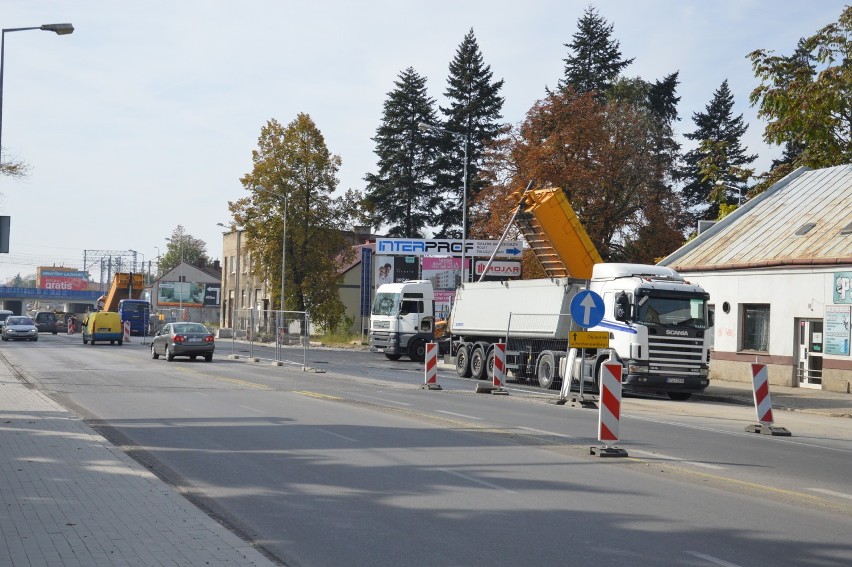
(587, 309)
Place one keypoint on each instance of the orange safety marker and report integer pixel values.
(609, 412)
(431, 368)
(763, 404)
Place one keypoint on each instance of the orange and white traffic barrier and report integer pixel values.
(127, 331)
(609, 412)
(431, 367)
(499, 371)
(763, 404)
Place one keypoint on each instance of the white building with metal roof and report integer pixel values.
(779, 274)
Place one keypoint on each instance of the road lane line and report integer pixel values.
(338, 435)
(831, 493)
(316, 395)
(711, 559)
(543, 432)
(478, 481)
(662, 457)
(253, 410)
(458, 415)
(380, 399)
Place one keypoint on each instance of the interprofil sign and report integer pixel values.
(64, 280)
(440, 247)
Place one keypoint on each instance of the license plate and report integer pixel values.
(195, 339)
(103, 329)
(674, 380)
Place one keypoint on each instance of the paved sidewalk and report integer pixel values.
(70, 498)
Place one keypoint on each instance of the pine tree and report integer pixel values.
(473, 114)
(401, 195)
(715, 173)
(595, 61)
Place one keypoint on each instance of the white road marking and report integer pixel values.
(711, 559)
(459, 415)
(542, 431)
(831, 493)
(677, 459)
(333, 434)
(380, 399)
(254, 410)
(477, 481)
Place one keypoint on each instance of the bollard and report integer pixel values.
(609, 413)
(499, 369)
(763, 404)
(126, 336)
(431, 368)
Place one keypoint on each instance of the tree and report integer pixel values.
(715, 173)
(184, 247)
(294, 175)
(806, 99)
(14, 169)
(595, 60)
(402, 194)
(473, 114)
(599, 153)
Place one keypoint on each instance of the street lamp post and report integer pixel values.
(59, 29)
(426, 127)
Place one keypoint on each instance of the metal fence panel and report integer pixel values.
(280, 336)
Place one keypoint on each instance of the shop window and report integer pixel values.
(755, 327)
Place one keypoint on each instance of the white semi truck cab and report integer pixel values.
(403, 320)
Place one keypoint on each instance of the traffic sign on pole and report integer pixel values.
(587, 309)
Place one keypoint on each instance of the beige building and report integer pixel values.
(779, 273)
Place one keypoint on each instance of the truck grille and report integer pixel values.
(675, 355)
(381, 324)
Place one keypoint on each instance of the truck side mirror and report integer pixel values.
(622, 308)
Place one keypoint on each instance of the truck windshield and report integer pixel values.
(672, 310)
(386, 304)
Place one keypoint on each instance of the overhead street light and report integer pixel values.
(58, 29)
(428, 127)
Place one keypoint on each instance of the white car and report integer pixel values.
(18, 328)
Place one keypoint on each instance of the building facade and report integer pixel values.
(778, 271)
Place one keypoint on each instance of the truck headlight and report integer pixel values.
(703, 371)
(637, 369)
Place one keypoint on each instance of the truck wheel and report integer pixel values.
(393, 356)
(417, 350)
(477, 363)
(463, 362)
(679, 396)
(545, 370)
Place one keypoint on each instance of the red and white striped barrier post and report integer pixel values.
(763, 404)
(126, 331)
(499, 369)
(609, 412)
(431, 367)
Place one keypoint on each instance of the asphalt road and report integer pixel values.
(358, 465)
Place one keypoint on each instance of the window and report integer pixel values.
(233, 265)
(805, 228)
(755, 327)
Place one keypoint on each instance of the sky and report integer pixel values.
(145, 117)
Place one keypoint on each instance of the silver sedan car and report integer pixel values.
(20, 328)
(183, 339)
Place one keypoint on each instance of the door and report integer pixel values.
(809, 369)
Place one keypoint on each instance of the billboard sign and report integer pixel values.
(64, 280)
(189, 294)
(443, 247)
